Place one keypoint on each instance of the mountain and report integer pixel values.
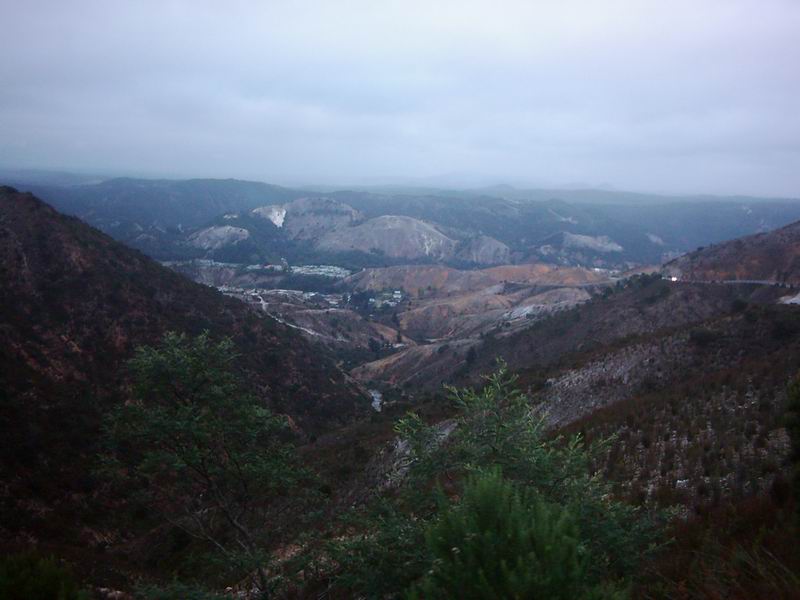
(74, 304)
(170, 219)
(391, 236)
(607, 229)
(771, 257)
(26, 177)
(243, 237)
(152, 214)
(312, 218)
(587, 195)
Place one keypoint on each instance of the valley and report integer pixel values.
(400, 300)
(413, 290)
(346, 320)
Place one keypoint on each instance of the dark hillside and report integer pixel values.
(638, 309)
(772, 256)
(73, 306)
(646, 305)
(701, 420)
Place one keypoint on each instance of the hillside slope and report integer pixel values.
(392, 236)
(432, 280)
(772, 257)
(73, 306)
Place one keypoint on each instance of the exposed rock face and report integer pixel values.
(768, 257)
(484, 250)
(391, 236)
(478, 312)
(601, 243)
(276, 214)
(437, 280)
(214, 238)
(568, 248)
(611, 378)
(548, 301)
(311, 218)
(446, 317)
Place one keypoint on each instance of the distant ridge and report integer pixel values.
(558, 226)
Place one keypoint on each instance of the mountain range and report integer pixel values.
(249, 222)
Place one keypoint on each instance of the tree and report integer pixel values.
(29, 577)
(206, 454)
(494, 429)
(374, 345)
(499, 542)
(471, 355)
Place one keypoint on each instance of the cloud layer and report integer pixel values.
(677, 96)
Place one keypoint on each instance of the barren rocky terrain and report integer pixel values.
(392, 236)
(439, 280)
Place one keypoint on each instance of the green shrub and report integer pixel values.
(205, 454)
(495, 428)
(498, 543)
(176, 591)
(386, 555)
(28, 577)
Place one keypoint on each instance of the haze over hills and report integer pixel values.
(219, 219)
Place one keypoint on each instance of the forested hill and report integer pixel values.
(73, 306)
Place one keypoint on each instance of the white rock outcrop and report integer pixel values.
(219, 236)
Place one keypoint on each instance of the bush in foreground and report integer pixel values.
(29, 577)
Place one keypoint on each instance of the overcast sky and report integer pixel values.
(671, 96)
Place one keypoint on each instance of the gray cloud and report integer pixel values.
(681, 96)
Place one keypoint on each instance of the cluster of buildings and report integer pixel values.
(387, 299)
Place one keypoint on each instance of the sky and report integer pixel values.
(699, 96)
